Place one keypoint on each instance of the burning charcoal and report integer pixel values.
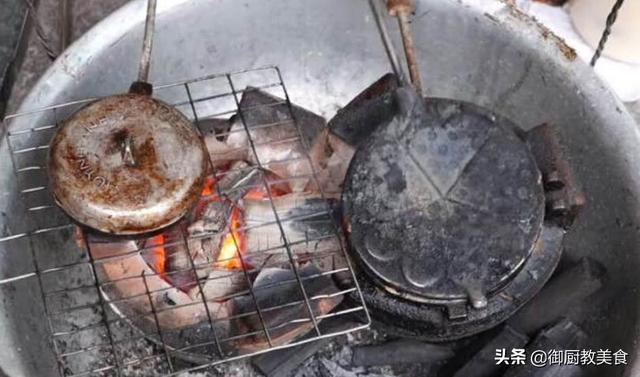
(276, 137)
(222, 283)
(215, 218)
(399, 352)
(372, 107)
(331, 176)
(127, 277)
(181, 266)
(307, 222)
(483, 363)
(167, 255)
(179, 270)
(215, 126)
(561, 293)
(222, 153)
(275, 290)
(563, 336)
(233, 186)
(240, 179)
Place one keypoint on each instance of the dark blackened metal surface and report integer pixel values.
(368, 110)
(445, 203)
(445, 209)
(432, 322)
(95, 181)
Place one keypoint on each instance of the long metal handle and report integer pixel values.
(149, 27)
(66, 23)
(388, 44)
(402, 9)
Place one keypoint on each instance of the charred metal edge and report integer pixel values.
(430, 322)
(374, 106)
(564, 199)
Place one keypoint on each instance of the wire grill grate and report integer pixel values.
(92, 321)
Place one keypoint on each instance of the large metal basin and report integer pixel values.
(328, 50)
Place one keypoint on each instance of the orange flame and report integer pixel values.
(259, 193)
(209, 186)
(232, 244)
(255, 194)
(159, 253)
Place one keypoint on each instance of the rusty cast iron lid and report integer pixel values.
(127, 164)
(445, 203)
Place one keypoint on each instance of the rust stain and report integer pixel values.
(568, 52)
(399, 6)
(78, 177)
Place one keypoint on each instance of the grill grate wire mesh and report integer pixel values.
(89, 333)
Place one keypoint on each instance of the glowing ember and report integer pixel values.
(256, 194)
(260, 193)
(159, 253)
(232, 244)
(209, 186)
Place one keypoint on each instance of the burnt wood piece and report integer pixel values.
(284, 312)
(563, 336)
(397, 352)
(260, 108)
(374, 106)
(214, 127)
(307, 220)
(280, 133)
(564, 199)
(172, 262)
(564, 291)
(239, 180)
(282, 363)
(129, 284)
(331, 176)
(213, 216)
(561, 293)
(483, 363)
